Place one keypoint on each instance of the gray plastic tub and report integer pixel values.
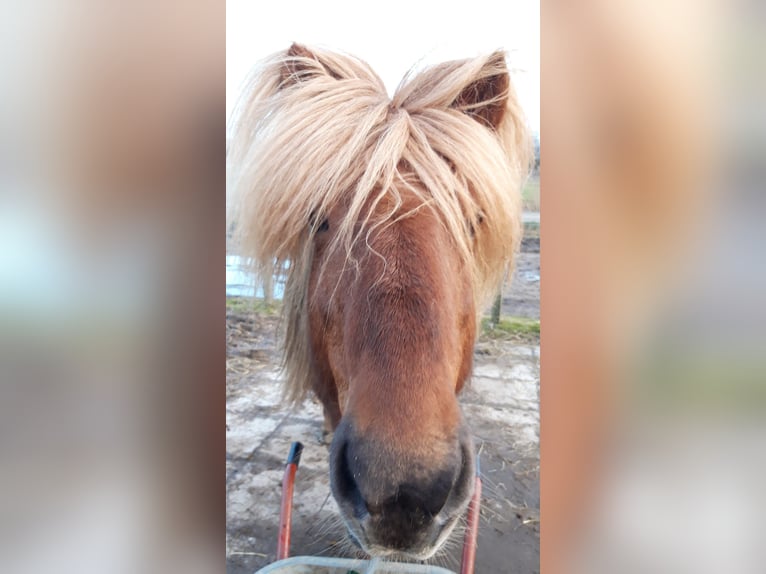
(321, 565)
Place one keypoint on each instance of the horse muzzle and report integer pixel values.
(394, 503)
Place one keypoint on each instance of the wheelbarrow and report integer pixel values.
(324, 565)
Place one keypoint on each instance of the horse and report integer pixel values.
(395, 218)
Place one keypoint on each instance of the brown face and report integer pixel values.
(392, 343)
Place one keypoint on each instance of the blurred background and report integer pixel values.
(112, 211)
(653, 371)
(112, 170)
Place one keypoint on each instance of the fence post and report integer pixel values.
(495, 316)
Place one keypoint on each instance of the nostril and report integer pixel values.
(347, 485)
(428, 498)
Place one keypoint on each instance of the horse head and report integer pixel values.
(395, 217)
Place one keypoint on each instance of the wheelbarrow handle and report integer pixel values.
(286, 510)
(472, 528)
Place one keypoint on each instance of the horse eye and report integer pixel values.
(324, 226)
(472, 227)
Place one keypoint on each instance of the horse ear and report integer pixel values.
(301, 64)
(485, 98)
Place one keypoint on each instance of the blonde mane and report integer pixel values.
(315, 128)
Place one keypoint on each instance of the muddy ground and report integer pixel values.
(522, 297)
(501, 405)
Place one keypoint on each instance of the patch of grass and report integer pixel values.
(511, 328)
(531, 229)
(530, 195)
(251, 305)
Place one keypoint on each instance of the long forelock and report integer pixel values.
(299, 151)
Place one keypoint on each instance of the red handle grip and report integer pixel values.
(471, 530)
(286, 510)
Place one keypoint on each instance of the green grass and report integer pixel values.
(511, 328)
(532, 229)
(531, 194)
(251, 305)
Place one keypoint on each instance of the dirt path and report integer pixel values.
(502, 406)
